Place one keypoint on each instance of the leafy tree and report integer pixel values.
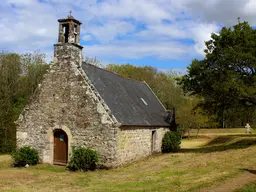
(19, 77)
(34, 67)
(189, 116)
(226, 78)
(9, 89)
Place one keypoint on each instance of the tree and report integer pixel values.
(34, 67)
(226, 78)
(190, 116)
(93, 61)
(9, 89)
(19, 77)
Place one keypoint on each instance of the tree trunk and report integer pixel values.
(223, 119)
(188, 133)
(198, 129)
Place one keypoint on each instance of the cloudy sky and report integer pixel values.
(162, 33)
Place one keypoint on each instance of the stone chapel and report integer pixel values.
(79, 104)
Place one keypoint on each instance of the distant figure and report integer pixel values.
(248, 128)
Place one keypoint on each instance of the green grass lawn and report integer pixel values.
(200, 163)
(251, 187)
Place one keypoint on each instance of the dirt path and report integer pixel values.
(233, 184)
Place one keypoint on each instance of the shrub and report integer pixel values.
(171, 142)
(25, 155)
(83, 159)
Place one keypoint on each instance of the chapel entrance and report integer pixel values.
(60, 148)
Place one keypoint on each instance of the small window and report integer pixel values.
(144, 101)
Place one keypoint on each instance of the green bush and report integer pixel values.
(83, 159)
(25, 155)
(171, 142)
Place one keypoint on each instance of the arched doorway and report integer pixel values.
(60, 147)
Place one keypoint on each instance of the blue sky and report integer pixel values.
(166, 34)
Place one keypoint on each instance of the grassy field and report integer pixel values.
(251, 187)
(201, 163)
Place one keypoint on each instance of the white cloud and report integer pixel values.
(136, 50)
(143, 10)
(27, 25)
(250, 8)
(122, 28)
(223, 12)
(201, 32)
(110, 30)
(170, 30)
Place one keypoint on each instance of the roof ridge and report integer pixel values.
(113, 72)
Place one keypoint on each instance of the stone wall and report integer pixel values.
(68, 52)
(136, 142)
(67, 100)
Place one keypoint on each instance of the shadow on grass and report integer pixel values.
(227, 138)
(197, 137)
(241, 144)
(221, 140)
(250, 171)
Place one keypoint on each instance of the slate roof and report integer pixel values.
(125, 97)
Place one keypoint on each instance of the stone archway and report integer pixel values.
(49, 157)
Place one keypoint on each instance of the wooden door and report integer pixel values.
(60, 147)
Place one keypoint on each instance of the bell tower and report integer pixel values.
(68, 45)
(69, 30)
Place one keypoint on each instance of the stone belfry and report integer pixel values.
(68, 47)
